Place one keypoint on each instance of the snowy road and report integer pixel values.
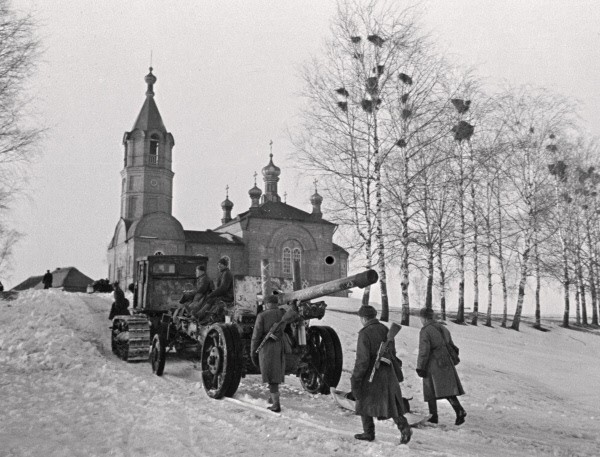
(65, 394)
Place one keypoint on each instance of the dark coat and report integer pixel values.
(442, 379)
(120, 307)
(224, 289)
(196, 297)
(271, 357)
(47, 280)
(381, 398)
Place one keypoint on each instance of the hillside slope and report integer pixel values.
(65, 394)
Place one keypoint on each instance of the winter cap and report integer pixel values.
(201, 268)
(272, 299)
(223, 261)
(367, 311)
(427, 313)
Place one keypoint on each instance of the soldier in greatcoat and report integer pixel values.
(271, 357)
(381, 398)
(434, 365)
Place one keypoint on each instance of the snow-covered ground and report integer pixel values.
(63, 393)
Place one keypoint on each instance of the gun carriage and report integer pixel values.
(224, 347)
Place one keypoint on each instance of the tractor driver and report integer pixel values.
(193, 300)
(214, 306)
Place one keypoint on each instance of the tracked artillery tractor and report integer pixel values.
(224, 347)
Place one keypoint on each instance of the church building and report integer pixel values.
(268, 229)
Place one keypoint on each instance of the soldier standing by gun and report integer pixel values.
(380, 397)
(267, 348)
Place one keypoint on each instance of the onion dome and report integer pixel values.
(316, 199)
(271, 170)
(255, 192)
(227, 204)
(150, 80)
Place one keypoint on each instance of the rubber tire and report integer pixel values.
(226, 339)
(335, 373)
(158, 354)
(326, 356)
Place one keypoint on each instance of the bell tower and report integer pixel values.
(147, 176)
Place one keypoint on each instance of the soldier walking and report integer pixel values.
(381, 397)
(435, 366)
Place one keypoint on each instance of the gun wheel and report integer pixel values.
(323, 362)
(221, 361)
(158, 354)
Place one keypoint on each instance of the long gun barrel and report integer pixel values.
(364, 279)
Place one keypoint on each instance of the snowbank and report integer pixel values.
(65, 394)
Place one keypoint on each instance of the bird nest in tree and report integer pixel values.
(372, 85)
(463, 131)
(376, 40)
(342, 91)
(405, 78)
(370, 105)
(379, 69)
(461, 106)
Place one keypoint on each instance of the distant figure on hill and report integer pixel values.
(435, 366)
(120, 305)
(1, 287)
(47, 280)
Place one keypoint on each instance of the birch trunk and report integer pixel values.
(591, 271)
(538, 315)
(580, 282)
(488, 231)
(367, 290)
(522, 283)
(405, 278)
(577, 304)
(460, 316)
(501, 261)
(475, 316)
(442, 282)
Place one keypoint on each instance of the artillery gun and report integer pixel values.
(224, 347)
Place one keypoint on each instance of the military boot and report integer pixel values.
(369, 429)
(276, 406)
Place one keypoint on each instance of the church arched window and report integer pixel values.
(153, 153)
(287, 261)
(297, 255)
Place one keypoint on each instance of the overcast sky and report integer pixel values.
(227, 84)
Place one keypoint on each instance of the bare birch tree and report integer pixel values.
(352, 93)
(19, 50)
